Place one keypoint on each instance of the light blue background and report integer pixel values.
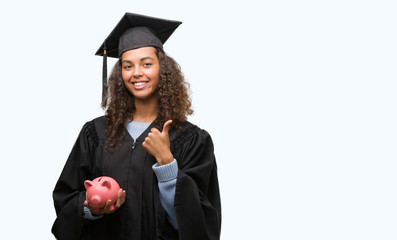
(299, 97)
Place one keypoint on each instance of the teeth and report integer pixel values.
(139, 83)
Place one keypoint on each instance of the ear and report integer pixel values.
(106, 183)
(87, 184)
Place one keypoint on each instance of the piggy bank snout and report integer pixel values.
(95, 200)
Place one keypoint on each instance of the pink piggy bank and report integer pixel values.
(100, 190)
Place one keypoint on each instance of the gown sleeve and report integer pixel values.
(69, 192)
(197, 199)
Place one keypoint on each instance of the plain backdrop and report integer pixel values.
(298, 96)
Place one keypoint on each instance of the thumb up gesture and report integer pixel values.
(157, 144)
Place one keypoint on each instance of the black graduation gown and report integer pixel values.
(197, 201)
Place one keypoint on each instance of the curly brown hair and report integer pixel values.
(172, 95)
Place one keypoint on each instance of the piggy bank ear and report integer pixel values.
(87, 184)
(106, 183)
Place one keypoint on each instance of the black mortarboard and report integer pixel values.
(135, 31)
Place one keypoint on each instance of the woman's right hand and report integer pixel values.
(106, 210)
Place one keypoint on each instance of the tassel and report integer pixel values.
(104, 74)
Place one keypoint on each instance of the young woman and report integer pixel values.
(164, 165)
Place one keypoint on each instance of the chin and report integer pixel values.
(143, 97)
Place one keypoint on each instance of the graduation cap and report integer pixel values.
(134, 31)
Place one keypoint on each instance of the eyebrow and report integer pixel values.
(142, 59)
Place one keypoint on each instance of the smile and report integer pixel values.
(139, 85)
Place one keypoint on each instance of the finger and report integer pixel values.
(88, 206)
(154, 130)
(166, 126)
(108, 206)
(145, 145)
(123, 196)
(118, 201)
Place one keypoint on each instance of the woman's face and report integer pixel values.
(140, 69)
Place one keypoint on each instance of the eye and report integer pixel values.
(148, 64)
(126, 67)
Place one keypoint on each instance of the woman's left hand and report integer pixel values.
(158, 144)
(109, 207)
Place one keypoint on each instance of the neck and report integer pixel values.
(146, 111)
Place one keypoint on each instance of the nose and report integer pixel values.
(137, 72)
(95, 200)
